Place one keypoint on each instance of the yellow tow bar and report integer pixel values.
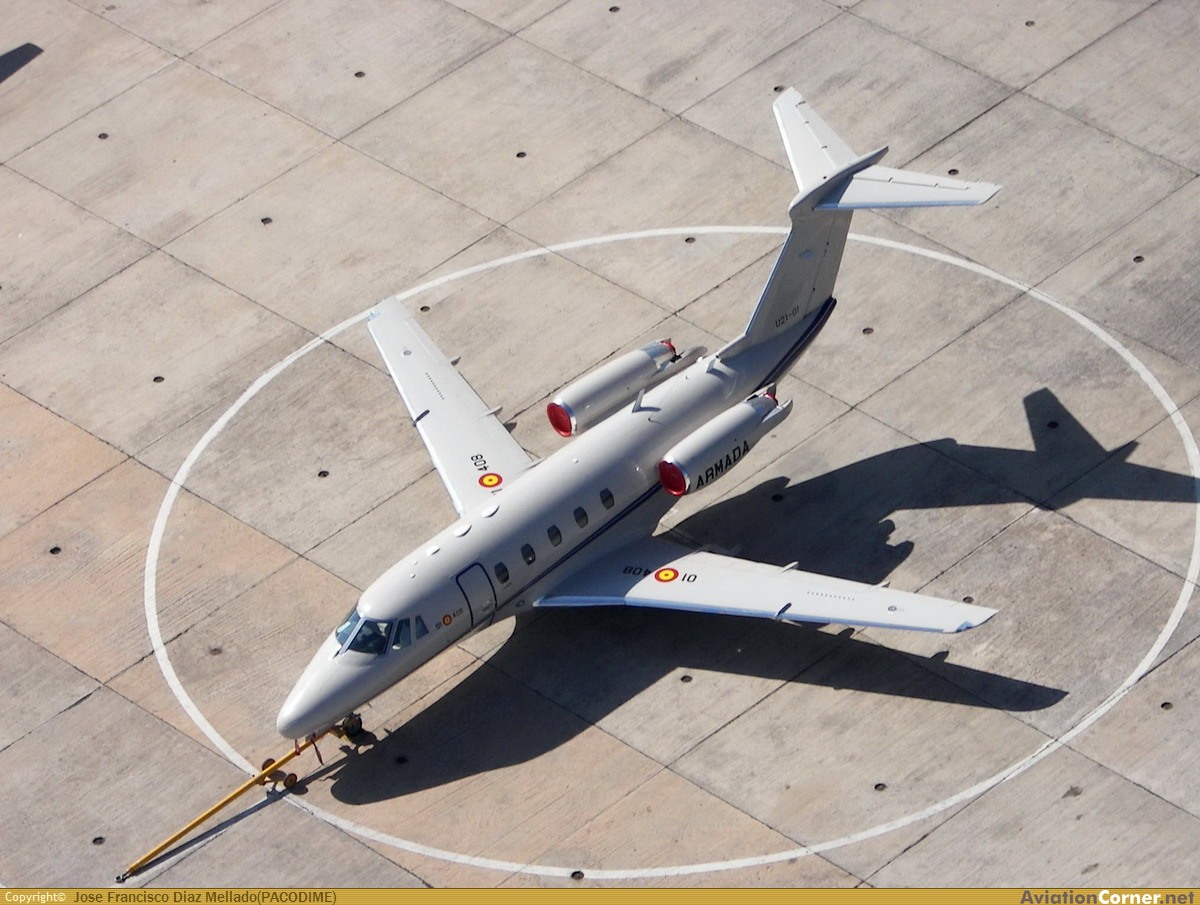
(258, 779)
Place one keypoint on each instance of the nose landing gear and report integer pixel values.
(351, 725)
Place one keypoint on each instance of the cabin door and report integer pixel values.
(477, 588)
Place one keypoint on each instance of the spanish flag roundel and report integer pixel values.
(667, 574)
(490, 480)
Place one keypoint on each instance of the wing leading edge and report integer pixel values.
(659, 573)
(472, 451)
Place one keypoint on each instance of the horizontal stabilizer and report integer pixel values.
(878, 186)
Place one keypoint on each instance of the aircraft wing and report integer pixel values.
(472, 451)
(658, 573)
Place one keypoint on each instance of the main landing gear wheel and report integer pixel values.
(352, 725)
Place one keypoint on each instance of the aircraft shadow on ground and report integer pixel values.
(14, 60)
(839, 522)
(565, 670)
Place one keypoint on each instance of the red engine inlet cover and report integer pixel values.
(672, 478)
(715, 448)
(560, 419)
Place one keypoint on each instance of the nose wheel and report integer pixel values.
(352, 725)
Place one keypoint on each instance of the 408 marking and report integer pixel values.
(641, 570)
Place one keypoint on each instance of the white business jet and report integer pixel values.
(576, 529)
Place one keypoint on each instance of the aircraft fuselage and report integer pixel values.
(597, 500)
(584, 500)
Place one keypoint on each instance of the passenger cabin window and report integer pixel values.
(580, 517)
(554, 534)
(501, 571)
(419, 625)
(527, 554)
(403, 635)
(606, 498)
(371, 637)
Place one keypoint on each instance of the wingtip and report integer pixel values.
(976, 620)
(991, 188)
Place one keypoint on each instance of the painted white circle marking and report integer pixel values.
(545, 870)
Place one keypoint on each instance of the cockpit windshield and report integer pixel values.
(346, 628)
(403, 635)
(372, 637)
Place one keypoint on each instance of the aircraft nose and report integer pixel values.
(319, 699)
(329, 688)
(304, 712)
(294, 719)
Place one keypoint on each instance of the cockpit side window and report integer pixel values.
(346, 629)
(371, 637)
(420, 627)
(403, 635)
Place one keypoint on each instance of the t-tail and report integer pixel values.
(833, 183)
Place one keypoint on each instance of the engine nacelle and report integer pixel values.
(709, 452)
(595, 396)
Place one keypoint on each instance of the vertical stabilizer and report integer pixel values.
(833, 183)
(814, 150)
